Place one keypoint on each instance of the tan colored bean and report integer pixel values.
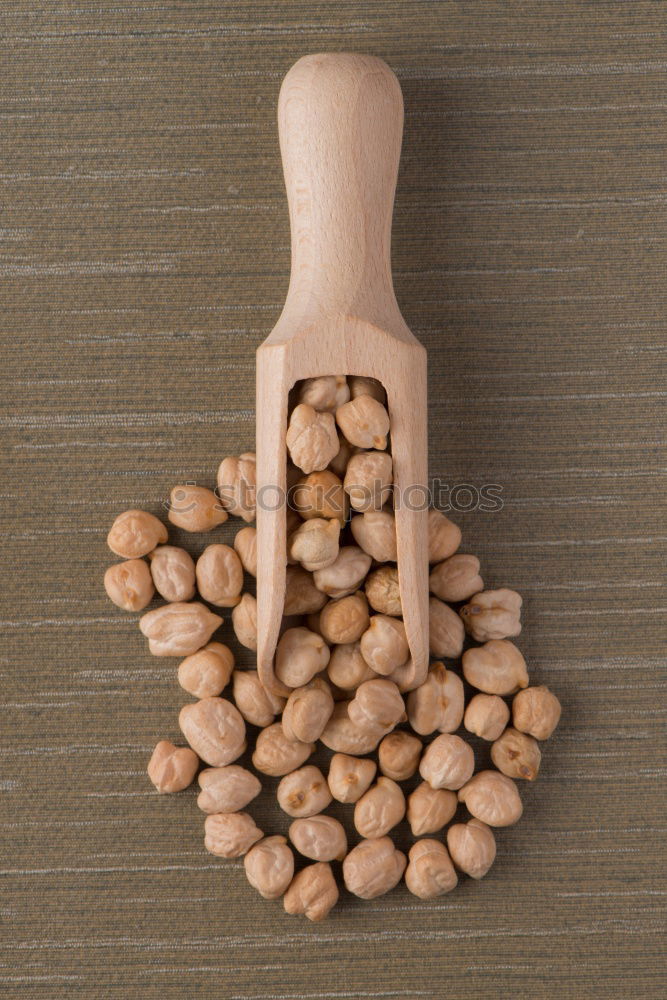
(276, 755)
(129, 584)
(383, 592)
(497, 667)
(172, 768)
(444, 537)
(269, 867)
(379, 809)
(373, 867)
(368, 480)
(446, 632)
(300, 654)
(215, 730)
(311, 438)
(195, 508)
(179, 629)
(207, 672)
(227, 789)
(245, 546)
(364, 422)
(472, 847)
(430, 872)
(405, 677)
(492, 798)
(448, 762)
(173, 572)
(307, 711)
(257, 705)
(313, 892)
(304, 792)
(320, 494)
(377, 703)
(430, 809)
(361, 385)
(536, 711)
(320, 838)
(456, 579)
(398, 755)
(325, 393)
(237, 483)
(516, 754)
(135, 533)
(220, 576)
(314, 544)
(345, 574)
(486, 716)
(244, 620)
(302, 596)
(338, 463)
(493, 614)
(347, 668)
(384, 644)
(345, 620)
(344, 736)
(437, 703)
(375, 532)
(349, 777)
(230, 835)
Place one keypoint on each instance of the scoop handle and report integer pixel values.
(340, 120)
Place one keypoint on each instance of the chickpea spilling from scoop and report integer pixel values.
(344, 656)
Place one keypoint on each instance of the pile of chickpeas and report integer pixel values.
(344, 656)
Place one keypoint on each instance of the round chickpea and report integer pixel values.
(446, 632)
(497, 667)
(492, 798)
(172, 768)
(472, 847)
(430, 809)
(269, 867)
(320, 838)
(129, 584)
(430, 872)
(237, 485)
(345, 620)
(379, 809)
(486, 716)
(437, 703)
(373, 867)
(516, 754)
(493, 614)
(349, 777)
(313, 892)
(207, 672)
(448, 762)
(364, 422)
(536, 711)
(383, 592)
(456, 579)
(300, 655)
(195, 508)
(398, 755)
(384, 645)
(311, 438)
(375, 532)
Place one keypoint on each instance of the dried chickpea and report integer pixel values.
(195, 508)
(430, 872)
(444, 537)
(345, 620)
(220, 576)
(456, 579)
(215, 730)
(472, 847)
(364, 422)
(313, 892)
(244, 620)
(347, 668)
(320, 494)
(320, 838)
(384, 644)
(437, 703)
(430, 809)
(536, 711)
(135, 533)
(325, 393)
(497, 667)
(237, 483)
(493, 614)
(178, 629)
(373, 867)
(375, 533)
(345, 574)
(361, 385)
(257, 705)
(229, 835)
(446, 632)
(516, 754)
(245, 545)
(448, 762)
(492, 798)
(379, 809)
(314, 544)
(377, 703)
(368, 480)
(349, 777)
(269, 867)
(173, 572)
(172, 768)
(301, 595)
(342, 735)
(206, 673)
(129, 584)
(307, 711)
(383, 592)
(300, 654)
(276, 755)
(398, 755)
(304, 792)
(227, 789)
(311, 438)
(486, 716)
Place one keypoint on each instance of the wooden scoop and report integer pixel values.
(340, 119)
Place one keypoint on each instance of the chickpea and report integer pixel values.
(342, 735)
(269, 867)
(497, 667)
(311, 438)
(345, 574)
(194, 508)
(320, 494)
(383, 592)
(516, 755)
(129, 584)
(178, 629)
(486, 716)
(300, 655)
(207, 672)
(379, 809)
(257, 705)
(437, 703)
(229, 835)
(444, 537)
(536, 711)
(456, 579)
(492, 798)
(430, 809)
(173, 572)
(364, 422)
(304, 792)
(345, 620)
(277, 755)
(349, 777)
(313, 892)
(135, 533)
(472, 847)
(368, 480)
(384, 645)
(430, 872)
(320, 838)
(315, 543)
(220, 576)
(448, 762)
(339, 462)
(215, 730)
(245, 545)
(307, 711)
(377, 703)
(347, 668)
(493, 614)
(361, 385)
(325, 393)
(404, 677)
(375, 532)
(227, 789)
(301, 595)
(373, 867)
(237, 483)
(446, 632)
(244, 620)
(398, 755)
(172, 768)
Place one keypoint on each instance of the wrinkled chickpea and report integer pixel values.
(342, 735)
(129, 584)
(307, 711)
(230, 835)
(368, 480)
(377, 703)
(379, 809)
(220, 576)
(364, 422)
(245, 546)
(300, 654)
(314, 544)
(325, 393)
(338, 463)
(320, 494)
(430, 809)
(171, 768)
(257, 705)
(516, 754)
(173, 572)
(448, 762)
(277, 755)
(320, 838)
(373, 867)
(301, 595)
(493, 614)
(227, 789)
(437, 703)
(486, 716)
(195, 508)
(311, 438)
(456, 579)
(536, 711)
(215, 730)
(269, 866)
(304, 792)
(135, 533)
(472, 847)
(347, 668)
(207, 672)
(444, 537)
(345, 620)
(384, 644)
(430, 871)
(383, 592)
(446, 632)
(361, 385)
(237, 483)
(345, 574)
(349, 777)
(313, 892)
(244, 620)
(497, 667)
(178, 629)
(492, 798)
(375, 533)
(398, 755)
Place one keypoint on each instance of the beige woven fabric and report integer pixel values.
(145, 255)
